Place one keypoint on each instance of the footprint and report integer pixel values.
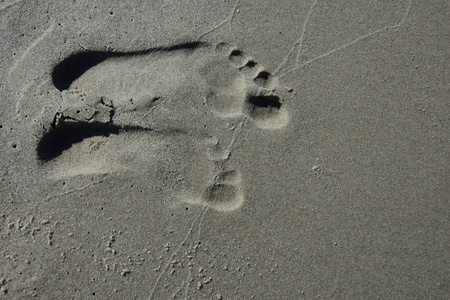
(162, 109)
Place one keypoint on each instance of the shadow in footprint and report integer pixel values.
(270, 101)
(74, 66)
(65, 134)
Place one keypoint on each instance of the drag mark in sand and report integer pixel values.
(298, 64)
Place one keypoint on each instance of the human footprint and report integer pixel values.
(171, 107)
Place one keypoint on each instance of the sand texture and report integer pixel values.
(224, 149)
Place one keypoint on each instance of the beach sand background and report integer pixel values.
(224, 149)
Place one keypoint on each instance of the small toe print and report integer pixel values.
(250, 64)
(263, 79)
(249, 68)
(266, 111)
(237, 57)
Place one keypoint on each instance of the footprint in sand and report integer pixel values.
(171, 114)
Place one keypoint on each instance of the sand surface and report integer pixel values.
(224, 149)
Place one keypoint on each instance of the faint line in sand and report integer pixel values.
(183, 242)
(32, 45)
(355, 41)
(235, 136)
(75, 190)
(299, 42)
(79, 189)
(153, 108)
(176, 293)
(187, 282)
(228, 20)
(10, 4)
(300, 46)
(25, 90)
